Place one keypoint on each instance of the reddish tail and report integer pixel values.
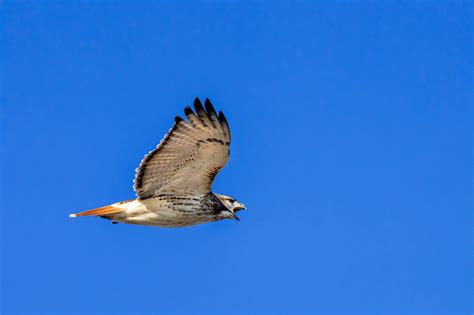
(98, 212)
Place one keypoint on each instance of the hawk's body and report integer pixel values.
(173, 182)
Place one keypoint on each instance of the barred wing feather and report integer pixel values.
(189, 156)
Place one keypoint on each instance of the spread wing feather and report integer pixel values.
(189, 156)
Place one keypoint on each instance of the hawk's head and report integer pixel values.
(231, 204)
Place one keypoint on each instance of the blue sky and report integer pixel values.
(351, 148)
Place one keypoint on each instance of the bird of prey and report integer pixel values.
(173, 182)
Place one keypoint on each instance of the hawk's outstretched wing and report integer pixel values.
(189, 156)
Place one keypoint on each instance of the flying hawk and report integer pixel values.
(173, 182)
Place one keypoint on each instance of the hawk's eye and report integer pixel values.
(231, 200)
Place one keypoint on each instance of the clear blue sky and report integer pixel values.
(351, 148)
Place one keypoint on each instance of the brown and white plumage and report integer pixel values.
(189, 156)
(173, 182)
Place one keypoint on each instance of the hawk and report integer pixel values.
(173, 183)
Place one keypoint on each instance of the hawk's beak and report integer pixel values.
(239, 207)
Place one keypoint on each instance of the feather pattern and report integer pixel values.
(189, 157)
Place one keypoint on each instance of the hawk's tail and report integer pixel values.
(103, 211)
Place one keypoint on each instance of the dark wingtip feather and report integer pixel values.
(222, 118)
(178, 119)
(198, 105)
(188, 110)
(209, 108)
(223, 121)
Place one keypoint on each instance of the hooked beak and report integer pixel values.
(238, 208)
